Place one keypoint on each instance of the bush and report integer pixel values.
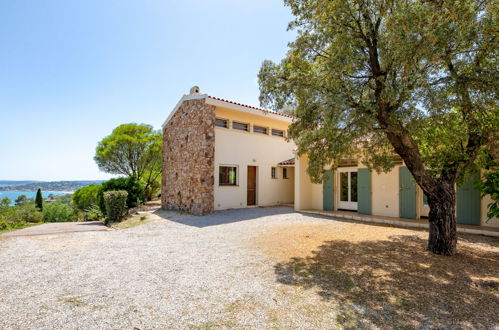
(25, 212)
(86, 197)
(134, 189)
(93, 213)
(58, 212)
(115, 202)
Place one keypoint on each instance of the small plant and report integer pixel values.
(93, 213)
(58, 212)
(115, 203)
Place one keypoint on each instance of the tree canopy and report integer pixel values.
(376, 77)
(133, 150)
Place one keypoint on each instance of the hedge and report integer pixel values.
(115, 203)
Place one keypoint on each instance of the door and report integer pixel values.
(327, 191)
(251, 194)
(364, 190)
(407, 194)
(348, 189)
(468, 201)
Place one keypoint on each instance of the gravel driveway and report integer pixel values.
(257, 268)
(180, 272)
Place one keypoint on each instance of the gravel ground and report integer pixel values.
(184, 272)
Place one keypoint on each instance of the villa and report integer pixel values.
(220, 154)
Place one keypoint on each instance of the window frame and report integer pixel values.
(277, 130)
(273, 172)
(240, 123)
(236, 181)
(225, 120)
(285, 173)
(264, 132)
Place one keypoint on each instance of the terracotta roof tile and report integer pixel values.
(288, 162)
(252, 107)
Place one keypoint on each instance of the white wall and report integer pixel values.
(308, 195)
(243, 149)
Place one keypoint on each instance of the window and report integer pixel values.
(227, 176)
(222, 123)
(273, 172)
(260, 129)
(240, 126)
(277, 132)
(285, 173)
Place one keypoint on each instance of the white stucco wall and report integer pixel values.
(243, 149)
(308, 195)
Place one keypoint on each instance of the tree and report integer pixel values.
(86, 197)
(39, 199)
(489, 185)
(133, 150)
(378, 77)
(134, 189)
(21, 199)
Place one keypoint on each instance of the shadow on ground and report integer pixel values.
(396, 283)
(223, 217)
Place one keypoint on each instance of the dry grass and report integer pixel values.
(388, 275)
(134, 221)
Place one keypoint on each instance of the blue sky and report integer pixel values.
(71, 71)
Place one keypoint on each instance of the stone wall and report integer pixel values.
(188, 159)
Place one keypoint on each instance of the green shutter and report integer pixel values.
(407, 194)
(468, 201)
(327, 191)
(364, 191)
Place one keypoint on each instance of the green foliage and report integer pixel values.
(58, 212)
(134, 189)
(417, 77)
(39, 199)
(489, 185)
(86, 197)
(22, 199)
(24, 212)
(115, 203)
(4, 203)
(133, 150)
(93, 213)
(15, 217)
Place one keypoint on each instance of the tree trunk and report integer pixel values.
(443, 234)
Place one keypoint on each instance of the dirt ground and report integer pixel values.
(387, 272)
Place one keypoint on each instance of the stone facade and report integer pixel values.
(188, 159)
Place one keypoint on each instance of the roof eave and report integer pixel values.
(186, 97)
(259, 112)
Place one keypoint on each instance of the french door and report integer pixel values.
(348, 189)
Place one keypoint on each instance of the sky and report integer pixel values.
(71, 71)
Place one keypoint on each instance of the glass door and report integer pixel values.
(348, 189)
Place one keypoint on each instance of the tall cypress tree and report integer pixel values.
(39, 199)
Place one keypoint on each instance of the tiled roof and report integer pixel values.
(288, 162)
(252, 107)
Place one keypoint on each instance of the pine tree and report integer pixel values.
(39, 199)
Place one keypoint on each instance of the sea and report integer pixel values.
(12, 195)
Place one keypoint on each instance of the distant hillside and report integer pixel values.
(5, 183)
(49, 186)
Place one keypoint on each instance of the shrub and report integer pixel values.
(86, 197)
(134, 189)
(115, 202)
(25, 212)
(58, 212)
(93, 213)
